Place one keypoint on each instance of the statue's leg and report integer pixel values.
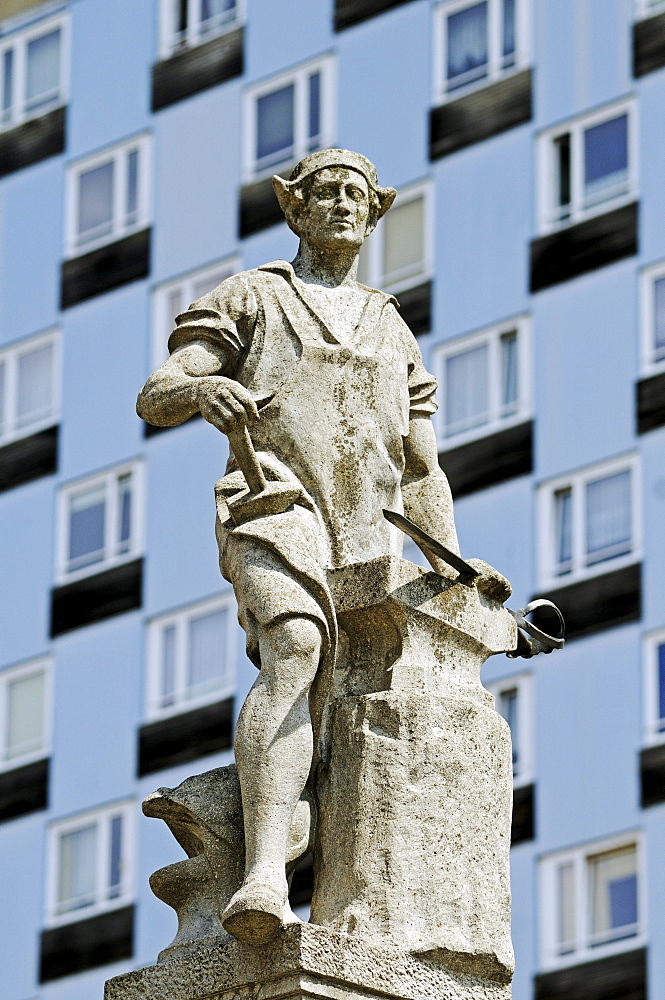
(273, 746)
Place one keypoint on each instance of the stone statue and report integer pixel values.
(368, 709)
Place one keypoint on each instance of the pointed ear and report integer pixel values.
(386, 197)
(284, 194)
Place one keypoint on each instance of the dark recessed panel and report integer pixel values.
(584, 247)
(259, 208)
(86, 944)
(349, 12)
(489, 460)
(619, 977)
(108, 267)
(523, 827)
(648, 45)
(24, 790)
(650, 393)
(302, 883)
(415, 307)
(149, 430)
(478, 116)
(600, 602)
(97, 597)
(32, 141)
(181, 738)
(197, 68)
(652, 776)
(29, 458)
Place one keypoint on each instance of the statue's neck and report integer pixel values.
(323, 267)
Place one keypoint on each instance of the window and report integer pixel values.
(28, 386)
(32, 74)
(90, 863)
(654, 687)
(398, 254)
(191, 657)
(653, 318)
(99, 522)
(587, 166)
(478, 42)
(24, 713)
(108, 195)
(483, 381)
(590, 901)
(289, 116)
(512, 699)
(174, 297)
(589, 520)
(189, 22)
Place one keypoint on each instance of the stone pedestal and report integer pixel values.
(304, 961)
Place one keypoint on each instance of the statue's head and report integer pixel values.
(333, 198)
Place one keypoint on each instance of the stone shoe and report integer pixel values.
(255, 913)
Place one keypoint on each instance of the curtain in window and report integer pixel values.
(659, 317)
(403, 241)
(87, 516)
(115, 858)
(168, 661)
(215, 10)
(124, 512)
(25, 715)
(508, 32)
(275, 124)
(35, 385)
(466, 390)
(508, 703)
(314, 116)
(7, 84)
(132, 186)
(606, 160)
(467, 44)
(95, 208)
(661, 682)
(608, 517)
(77, 862)
(206, 653)
(566, 909)
(563, 530)
(2, 397)
(43, 69)
(613, 891)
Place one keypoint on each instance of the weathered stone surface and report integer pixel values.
(302, 961)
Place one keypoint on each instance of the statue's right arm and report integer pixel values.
(190, 382)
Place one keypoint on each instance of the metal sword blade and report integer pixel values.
(437, 548)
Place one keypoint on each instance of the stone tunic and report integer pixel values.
(335, 427)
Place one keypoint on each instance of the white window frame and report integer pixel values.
(546, 520)
(585, 948)
(490, 335)
(495, 71)
(374, 246)
(180, 618)
(102, 816)
(547, 220)
(74, 246)
(107, 480)
(42, 665)
(9, 429)
(648, 8)
(523, 684)
(162, 322)
(171, 42)
(18, 40)
(298, 75)
(649, 364)
(653, 733)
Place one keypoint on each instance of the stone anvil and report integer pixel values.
(407, 813)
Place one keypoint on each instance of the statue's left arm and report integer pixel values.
(425, 490)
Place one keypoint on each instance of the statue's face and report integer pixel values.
(337, 211)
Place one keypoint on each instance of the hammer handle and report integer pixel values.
(245, 456)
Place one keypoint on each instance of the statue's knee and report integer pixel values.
(297, 636)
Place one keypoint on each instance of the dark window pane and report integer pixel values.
(274, 124)
(661, 681)
(95, 215)
(562, 154)
(659, 316)
(7, 83)
(86, 528)
(606, 159)
(115, 858)
(467, 44)
(508, 31)
(623, 901)
(314, 105)
(132, 185)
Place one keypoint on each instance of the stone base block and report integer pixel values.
(304, 961)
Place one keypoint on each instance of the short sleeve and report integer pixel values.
(224, 318)
(422, 386)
